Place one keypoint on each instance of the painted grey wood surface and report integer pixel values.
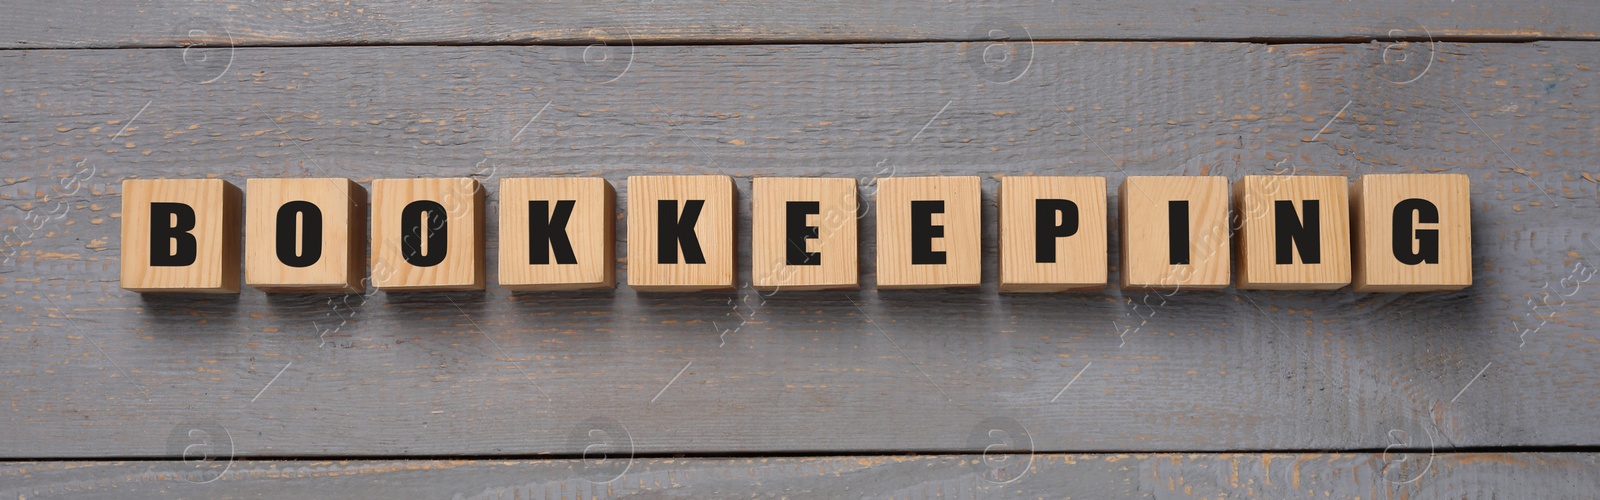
(169, 23)
(93, 371)
(1343, 476)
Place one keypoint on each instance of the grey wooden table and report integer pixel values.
(1492, 391)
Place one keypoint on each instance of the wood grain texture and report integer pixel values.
(200, 253)
(171, 23)
(339, 245)
(681, 233)
(827, 257)
(589, 226)
(937, 246)
(1078, 252)
(1153, 257)
(1341, 476)
(1445, 228)
(1318, 262)
(93, 371)
(428, 234)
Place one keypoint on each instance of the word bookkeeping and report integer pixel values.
(1381, 233)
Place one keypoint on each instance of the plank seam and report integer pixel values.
(1460, 450)
(637, 42)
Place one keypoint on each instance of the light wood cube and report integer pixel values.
(1052, 234)
(1174, 232)
(427, 234)
(930, 232)
(305, 235)
(180, 235)
(557, 233)
(1294, 232)
(1413, 233)
(803, 233)
(681, 233)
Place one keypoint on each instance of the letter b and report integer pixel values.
(171, 243)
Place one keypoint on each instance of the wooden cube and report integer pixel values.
(680, 233)
(427, 234)
(1174, 232)
(803, 233)
(557, 233)
(1052, 234)
(930, 232)
(180, 235)
(1413, 233)
(1294, 232)
(305, 235)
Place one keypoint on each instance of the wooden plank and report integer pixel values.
(92, 371)
(174, 23)
(1366, 475)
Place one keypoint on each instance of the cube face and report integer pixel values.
(1174, 232)
(427, 234)
(557, 234)
(180, 235)
(930, 232)
(681, 233)
(1052, 234)
(803, 234)
(1413, 233)
(1294, 232)
(305, 235)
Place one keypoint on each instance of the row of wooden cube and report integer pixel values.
(1410, 233)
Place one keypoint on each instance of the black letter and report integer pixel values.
(923, 232)
(1427, 239)
(1177, 232)
(796, 233)
(1292, 233)
(311, 234)
(170, 224)
(1045, 229)
(675, 231)
(547, 231)
(438, 233)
